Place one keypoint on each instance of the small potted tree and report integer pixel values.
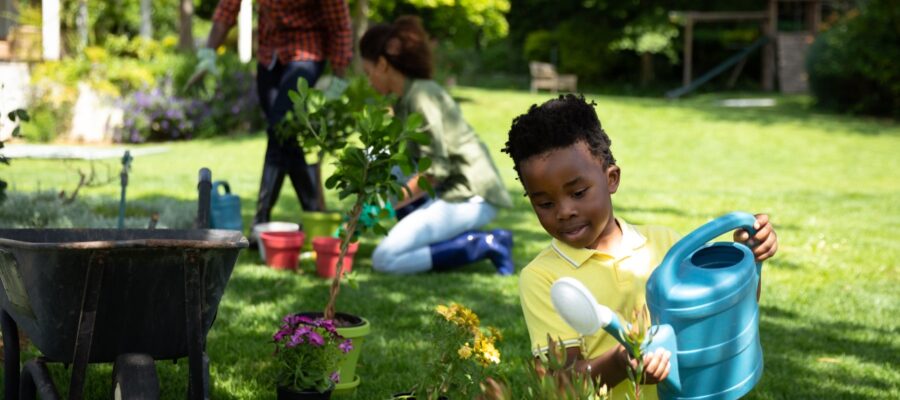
(323, 123)
(367, 146)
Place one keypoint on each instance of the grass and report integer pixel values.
(829, 305)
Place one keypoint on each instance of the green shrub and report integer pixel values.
(853, 67)
(45, 209)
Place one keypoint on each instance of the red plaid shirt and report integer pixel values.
(298, 30)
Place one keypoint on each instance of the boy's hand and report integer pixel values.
(764, 243)
(656, 366)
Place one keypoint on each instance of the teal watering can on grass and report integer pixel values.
(225, 209)
(703, 298)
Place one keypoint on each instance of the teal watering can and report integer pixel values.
(225, 209)
(703, 298)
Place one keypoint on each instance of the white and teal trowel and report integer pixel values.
(579, 308)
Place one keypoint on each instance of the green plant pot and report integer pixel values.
(285, 393)
(349, 380)
(357, 332)
(317, 224)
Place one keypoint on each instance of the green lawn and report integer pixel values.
(830, 301)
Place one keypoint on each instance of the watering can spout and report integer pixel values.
(578, 307)
(666, 274)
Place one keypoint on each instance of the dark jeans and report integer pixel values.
(284, 156)
(273, 87)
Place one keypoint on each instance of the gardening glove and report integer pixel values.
(206, 64)
(370, 215)
(336, 87)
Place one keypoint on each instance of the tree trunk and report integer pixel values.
(646, 68)
(360, 24)
(146, 21)
(185, 25)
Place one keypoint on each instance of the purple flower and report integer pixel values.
(296, 338)
(315, 339)
(328, 325)
(335, 377)
(346, 346)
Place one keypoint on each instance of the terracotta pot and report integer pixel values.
(328, 251)
(282, 248)
(285, 393)
(273, 226)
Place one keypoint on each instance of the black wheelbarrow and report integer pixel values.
(102, 295)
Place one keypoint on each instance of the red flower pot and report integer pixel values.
(328, 251)
(282, 248)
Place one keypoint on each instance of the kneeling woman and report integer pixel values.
(440, 234)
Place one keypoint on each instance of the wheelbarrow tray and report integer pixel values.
(144, 289)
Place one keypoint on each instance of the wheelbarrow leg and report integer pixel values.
(91, 298)
(10, 355)
(198, 380)
(36, 381)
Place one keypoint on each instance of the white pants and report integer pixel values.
(405, 249)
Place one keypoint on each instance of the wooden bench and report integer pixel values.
(544, 76)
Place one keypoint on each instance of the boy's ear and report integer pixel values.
(613, 175)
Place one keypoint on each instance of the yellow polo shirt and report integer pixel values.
(618, 280)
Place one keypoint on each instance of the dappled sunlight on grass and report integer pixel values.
(829, 299)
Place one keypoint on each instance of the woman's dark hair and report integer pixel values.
(556, 124)
(404, 44)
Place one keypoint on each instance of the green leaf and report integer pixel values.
(15, 132)
(380, 230)
(295, 97)
(424, 163)
(425, 185)
(23, 115)
(302, 86)
(406, 168)
(414, 121)
(420, 137)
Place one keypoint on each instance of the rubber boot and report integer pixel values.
(475, 246)
(269, 187)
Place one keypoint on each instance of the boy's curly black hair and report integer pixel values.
(557, 123)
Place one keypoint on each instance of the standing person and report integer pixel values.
(440, 234)
(296, 37)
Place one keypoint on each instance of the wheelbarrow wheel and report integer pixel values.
(134, 378)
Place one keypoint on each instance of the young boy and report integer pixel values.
(564, 162)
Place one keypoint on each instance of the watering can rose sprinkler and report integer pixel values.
(703, 297)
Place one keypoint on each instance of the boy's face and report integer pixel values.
(570, 191)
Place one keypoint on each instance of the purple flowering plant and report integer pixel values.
(308, 352)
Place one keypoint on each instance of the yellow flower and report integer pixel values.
(465, 352)
(443, 311)
(485, 351)
(495, 333)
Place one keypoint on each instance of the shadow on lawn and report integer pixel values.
(803, 356)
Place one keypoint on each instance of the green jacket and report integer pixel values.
(460, 161)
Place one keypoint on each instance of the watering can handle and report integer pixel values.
(703, 235)
(217, 184)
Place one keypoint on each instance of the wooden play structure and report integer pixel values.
(790, 46)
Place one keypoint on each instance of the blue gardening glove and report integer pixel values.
(336, 87)
(206, 64)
